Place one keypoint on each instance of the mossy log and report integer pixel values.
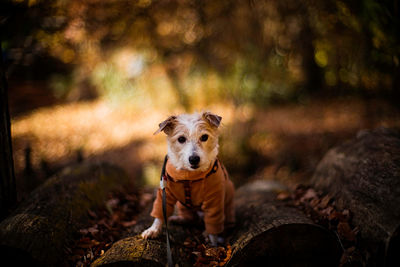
(39, 230)
(268, 233)
(363, 175)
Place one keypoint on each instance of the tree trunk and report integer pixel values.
(364, 176)
(268, 232)
(38, 232)
(8, 194)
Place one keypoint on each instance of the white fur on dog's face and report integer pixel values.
(191, 135)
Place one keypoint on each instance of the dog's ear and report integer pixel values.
(167, 126)
(212, 119)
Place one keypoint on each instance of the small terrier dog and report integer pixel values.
(196, 180)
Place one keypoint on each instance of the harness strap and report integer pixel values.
(214, 168)
(187, 185)
(188, 197)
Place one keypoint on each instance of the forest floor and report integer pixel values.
(109, 223)
(280, 142)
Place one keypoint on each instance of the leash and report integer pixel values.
(163, 185)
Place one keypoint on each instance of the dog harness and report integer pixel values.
(187, 185)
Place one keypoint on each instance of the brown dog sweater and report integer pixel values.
(210, 191)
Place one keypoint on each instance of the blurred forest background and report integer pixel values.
(91, 79)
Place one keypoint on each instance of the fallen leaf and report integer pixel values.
(327, 211)
(93, 230)
(335, 215)
(84, 231)
(112, 203)
(346, 213)
(283, 196)
(324, 202)
(128, 224)
(345, 231)
(314, 202)
(350, 249)
(95, 242)
(211, 252)
(196, 253)
(310, 193)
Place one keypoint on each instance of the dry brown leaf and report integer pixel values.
(196, 253)
(335, 215)
(92, 213)
(310, 193)
(346, 213)
(314, 202)
(128, 224)
(345, 231)
(283, 196)
(93, 230)
(84, 231)
(324, 202)
(326, 212)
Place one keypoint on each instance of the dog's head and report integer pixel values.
(192, 140)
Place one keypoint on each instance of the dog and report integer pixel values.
(196, 180)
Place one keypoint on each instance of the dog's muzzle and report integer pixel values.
(194, 161)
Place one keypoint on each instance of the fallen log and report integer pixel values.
(268, 232)
(363, 175)
(39, 230)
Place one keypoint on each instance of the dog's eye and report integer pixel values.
(204, 138)
(182, 139)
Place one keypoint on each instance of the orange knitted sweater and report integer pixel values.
(210, 191)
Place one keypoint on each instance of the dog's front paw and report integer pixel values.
(153, 231)
(150, 233)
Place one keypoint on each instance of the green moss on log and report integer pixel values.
(130, 249)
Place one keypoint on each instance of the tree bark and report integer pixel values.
(363, 175)
(268, 232)
(39, 230)
(8, 193)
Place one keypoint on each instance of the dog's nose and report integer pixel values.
(194, 160)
